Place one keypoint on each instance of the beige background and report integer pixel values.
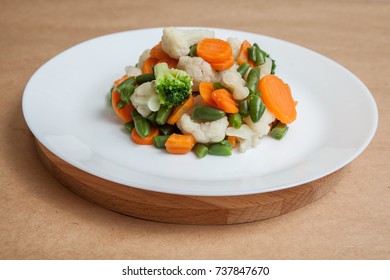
(41, 219)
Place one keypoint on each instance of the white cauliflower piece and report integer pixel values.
(235, 43)
(133, 71)
(249, 134)
(145, 99)
(144, 56)
(262, 127)
(266, 68)
(177, 43)
(207, 132)
(199, 70)
(233, 80)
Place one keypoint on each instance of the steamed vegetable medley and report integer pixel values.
(195, 92)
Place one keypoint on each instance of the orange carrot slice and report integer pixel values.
(147, 67)
(214, 50)
(232, 140)
(224, 65)
(148, 140)
(277, 97)
(225, 101)
(125, 112)
(180, 144)
(242, 56)
(158, 52)
(179, 111)
(206, 89)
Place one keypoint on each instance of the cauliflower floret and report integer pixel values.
(199, 70)
(208, 132)
(144, 56)
(145, 99)
(248, 134)
(133, 71)
(232, 79)
(177, 43)
(235, 43)
(262, 127)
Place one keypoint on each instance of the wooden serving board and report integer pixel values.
(184, 209)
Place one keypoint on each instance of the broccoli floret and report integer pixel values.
(173, 86)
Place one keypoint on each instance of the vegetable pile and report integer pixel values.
(195, 92)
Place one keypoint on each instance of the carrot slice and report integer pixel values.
(147, 67)
(125, 112)
(180, 144)
(158, 52)
(205, 90)
(148, 140)
(277, 97)
(172, 63)
(214, 50)
(224, 65)
(179, 111)
(232, 140)
(242, 56)
(225, 101)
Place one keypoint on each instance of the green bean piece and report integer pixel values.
(252, 81)
(256, 108)
(243, 68)
(193, 51)
(252, 54)
(135, 113)
(273, 66)
(163, 114)
(223, 148)
(129, 126)
(200, 150)
(159, 141)
(152, 117)
(167, 129)
(260, 57)
(206, 113)
(279, 131)
(217, 85)
(243, 108)
(142, 126)
(110, 96)
(143, 78)
(126, 89)
(120, 104)
(235, 120)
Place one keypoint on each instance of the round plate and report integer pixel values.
(65, 105)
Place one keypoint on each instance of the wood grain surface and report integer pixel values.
(42, 219)
(184, 209)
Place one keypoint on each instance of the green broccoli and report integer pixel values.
(173, 86)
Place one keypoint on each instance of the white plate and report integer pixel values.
(65, 106)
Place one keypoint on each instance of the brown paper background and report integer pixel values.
(41, 219)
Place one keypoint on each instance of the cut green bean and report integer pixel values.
(273, 66)
(279, 131)
(253, 80)
(167, 129)
(243, 68)
(163, 114)
(129, 126)
(223, 148)
(260, 55)
(217, 85)
(206, 113)
(200, 150)
(159, 141)
(193, 51)
(126, 89)
(142, 126)
(256, 108)
(143, 78)
(243, 108)
(252, 54)
(235, 120)
(152, 117)
(120, 104)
